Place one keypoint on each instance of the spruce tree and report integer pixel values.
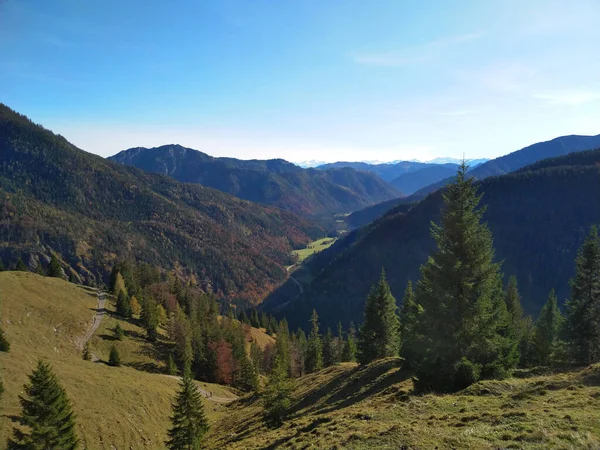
(254, 320)
(189, 423)
(328, 350)
(379, 335)
(248, 375)
(547, 331)
(409, 318)
(123, 305)
(314, 351)
(54, 268)
(21, 267)
(277, 395)
(118, 332)
(349, 354)
(86, 354)
(47, 417)
(171, 366)
(339, 344)
(583, 308)
(1, 265)
(114, 359)
(463, 330)
(150, 318)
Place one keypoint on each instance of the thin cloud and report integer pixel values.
(568, 97)
(459, 112)
(412, 55)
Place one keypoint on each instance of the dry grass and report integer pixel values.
(116, 407)
(372, 407)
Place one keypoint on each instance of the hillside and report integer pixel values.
(538, 217)
(413, 181)
(372, 407)
(115, 407)
(56, 197)
(387, 171)
(559, 146)
(309, 192)
(365, 216)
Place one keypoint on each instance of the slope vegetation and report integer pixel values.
(44, 318)
(309, 192)
(538, 217)
(55, 197)
(373, 407)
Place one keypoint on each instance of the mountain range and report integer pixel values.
(538, 216)
(318, 194)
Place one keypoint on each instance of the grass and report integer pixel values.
(116, 407)
(372, 407)
(313, 247)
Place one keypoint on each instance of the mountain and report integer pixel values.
(509, 163)
(367, 215)
(538, 217)
(309, 192)
(387, 171)
(411, 182)
(55, 197)
(443, 160)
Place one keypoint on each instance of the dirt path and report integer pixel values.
(100, 313)
(207, 394)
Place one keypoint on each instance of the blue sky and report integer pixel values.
(301, 80)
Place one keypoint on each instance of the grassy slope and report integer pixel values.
(123, 407)
(372, 408)
(313, 247)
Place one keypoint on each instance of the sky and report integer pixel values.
(305, 79)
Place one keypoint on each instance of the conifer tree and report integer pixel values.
(1, 265)
(463, 331)
(379, 336)
(21, 267)
(282, 344)
(47, 415)
(264, 320)
(409, 318)
(314, 351)
(349, 354)
(136, 308)
(123, 305)
(118, 332)
(86, 354)
(547, 331)
(171, 366)
(119, 284)
(583, 308)
(189, 423)
(54, 268)
(328, 350)
(243, 317)
(4, 343)
(248, 375)
(114, 359)
(254, 320)
(149, 317)
(339, 344)
(277, 395)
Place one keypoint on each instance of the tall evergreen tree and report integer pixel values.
(54, 268)
(21, 267)
(463, 329)
(379, 335)
(47, 416)
(339, 343)
(409, 318)
(150, 318)
(583, 308)
(118, 332)
(547, 331)
(328, 349)
(189, 423)
(277, 395)
(349, 354)
(254, 320)
(114, 358)
(171, 366)
(314, 351)
(1, 265)
(123, 304)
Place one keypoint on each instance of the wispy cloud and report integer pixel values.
(413, 55)
(458, 112)
(568, 97)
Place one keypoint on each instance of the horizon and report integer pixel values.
(342, 81)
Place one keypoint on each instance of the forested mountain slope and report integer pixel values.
(513, 161)
(92, 212)
(387, 171)
(413, 181)
(538, 217)
(309, 192)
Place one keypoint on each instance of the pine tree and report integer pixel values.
(189, 423)
(547, 331)
(149, 317)
(409, 318)
(328, 350)
(463, 331)
(171, 366)
(86, 354)
(379, 336)
(21, 267)
(248, 375)
(264, 320)
(46, 415)
(277, 395)
(118, 332)
(54, 268)
(350, 350)
(254, 320)
(583, 308)
(114, 359)
(314, 351)
(339, 344)
(123, 305)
